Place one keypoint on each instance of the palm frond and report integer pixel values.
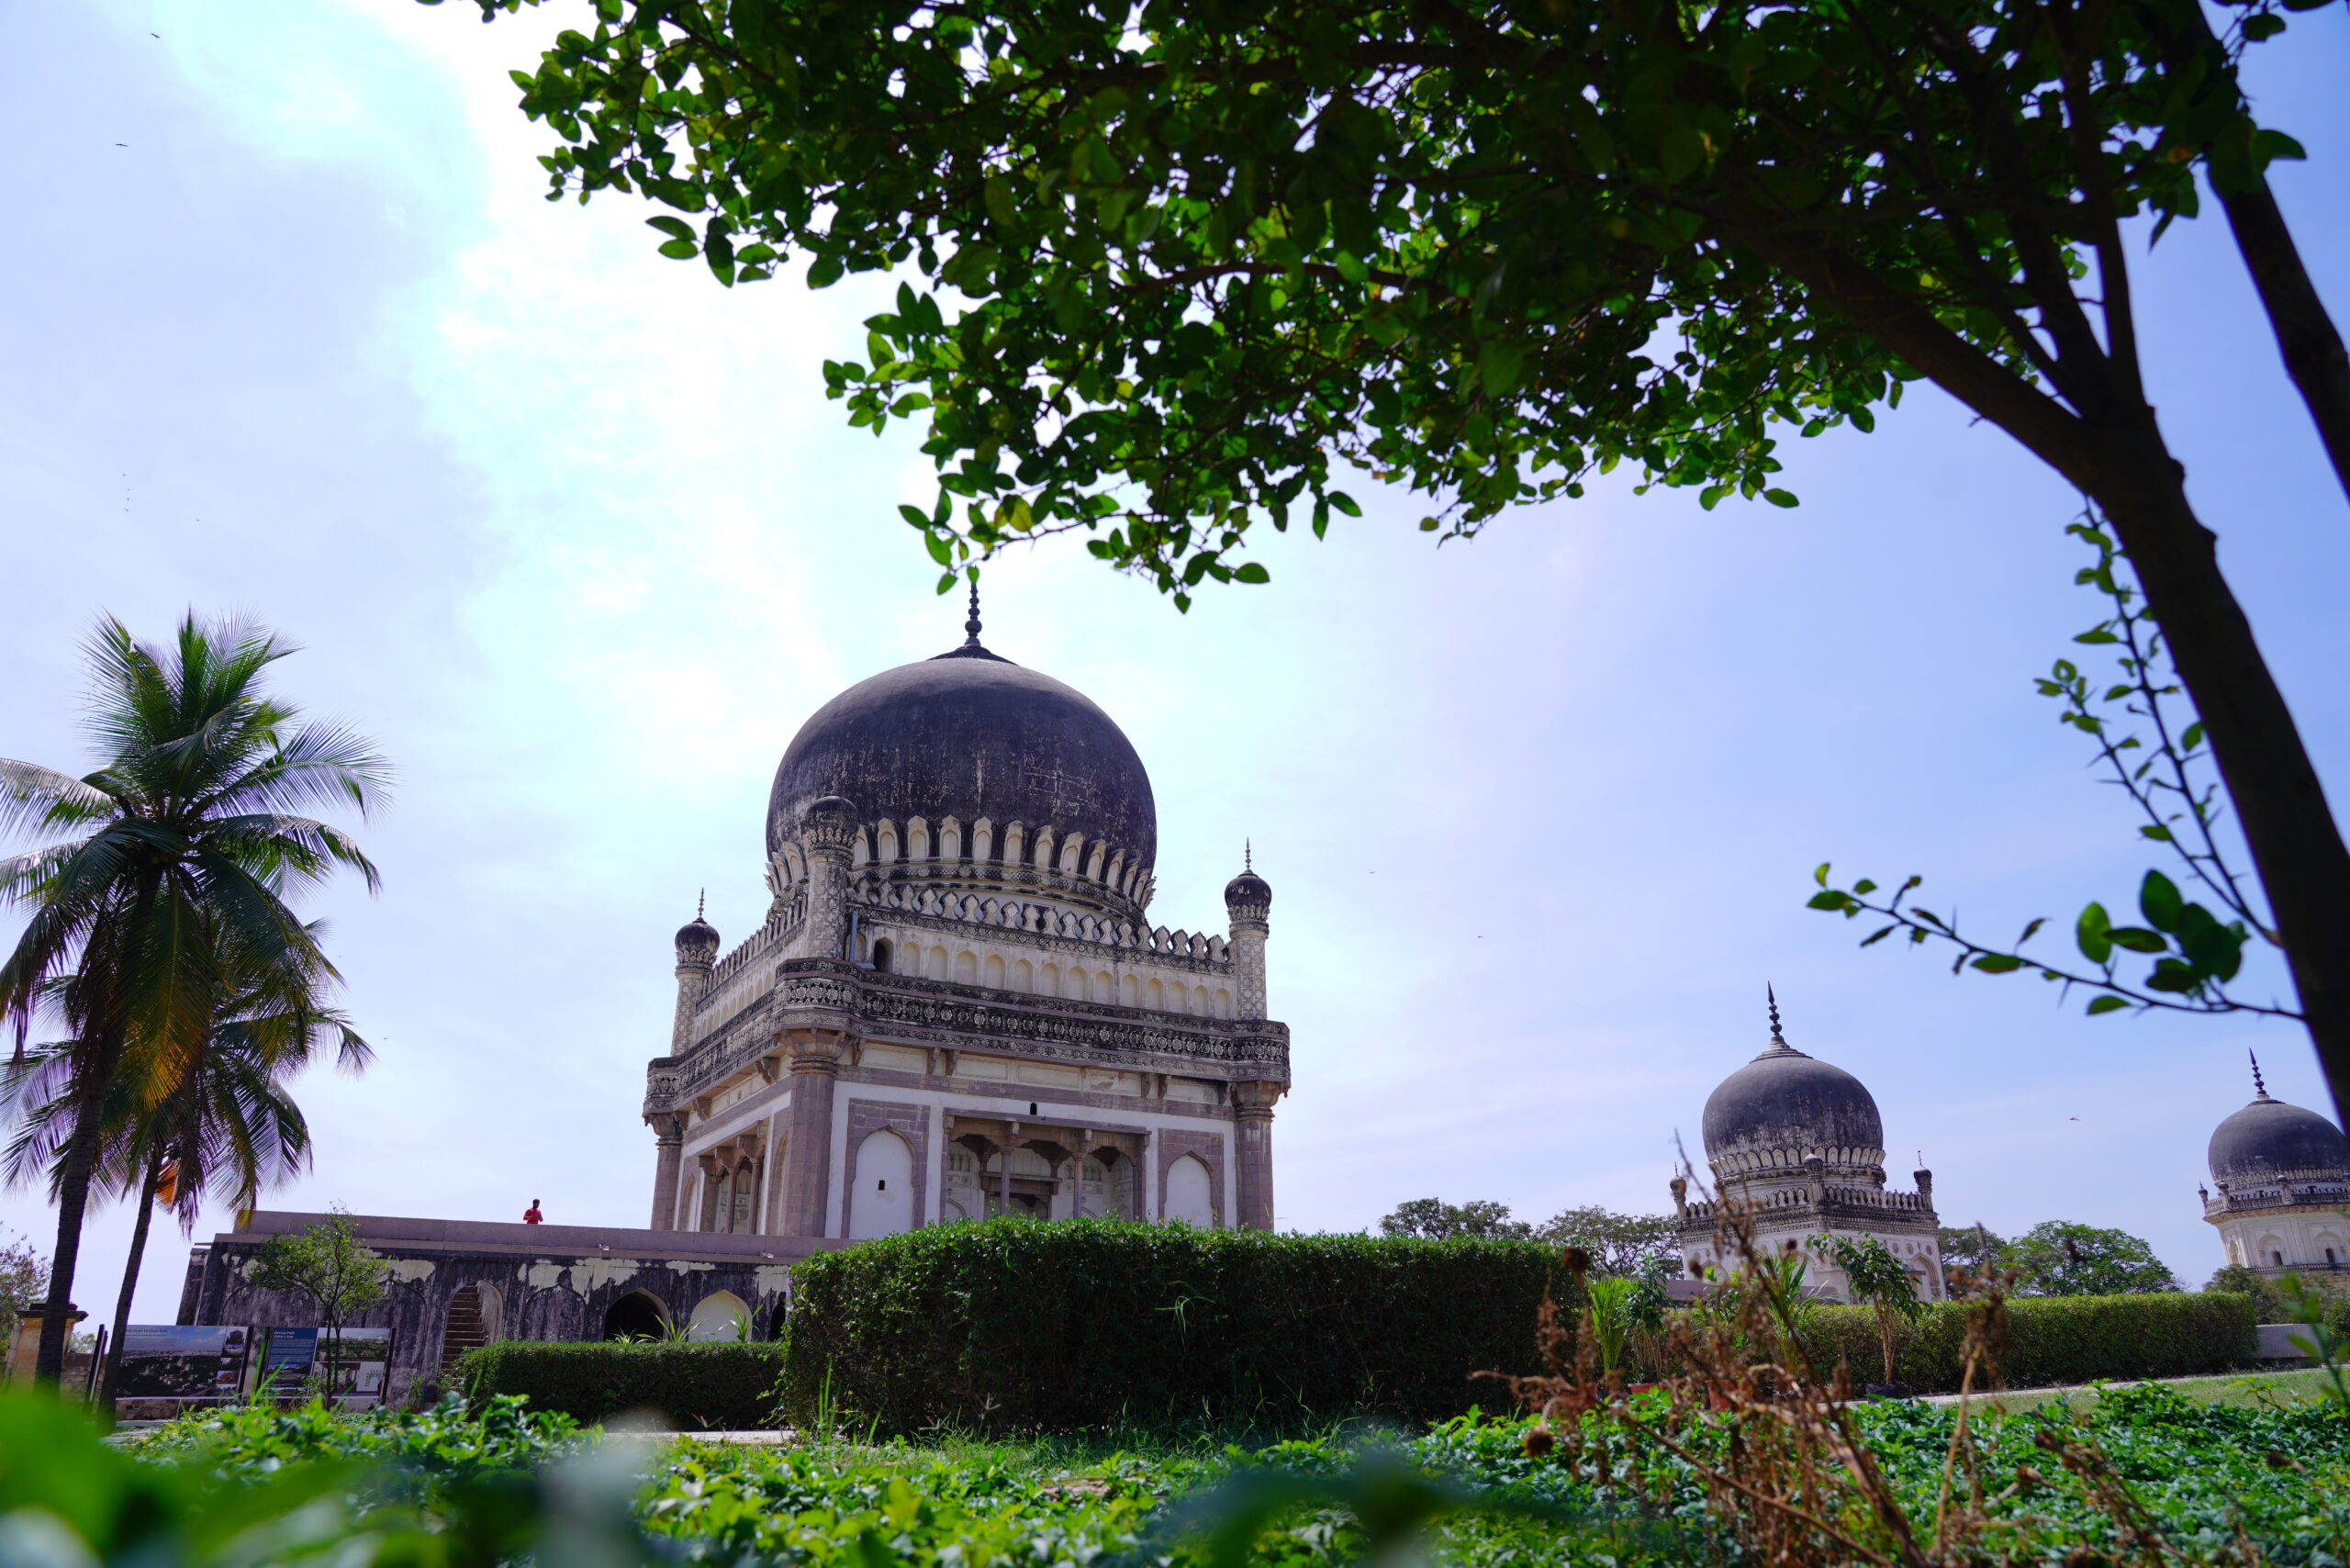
(41, 799)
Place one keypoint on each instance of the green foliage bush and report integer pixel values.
(2055, 1339)
(1014, 1325)
(685, 1387)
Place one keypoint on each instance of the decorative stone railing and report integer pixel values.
(1191, 948)
(1850, 1200)
(973, 1018)
(2285, 1196)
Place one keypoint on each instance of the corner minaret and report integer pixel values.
(697, 951)
(832, 823)
(1248, 899)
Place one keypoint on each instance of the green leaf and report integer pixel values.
(676, 228)
(1864, 887)
(1781, 498)
(2158, 901)
(1884, 932)
(1998, 963)
(1832, 899)
(1821, 875)
(2091, 933)
(2106, 1004)
(1498, 363)
(1251, 572)
(680, 250)
(2137, 939)
(2159, 835)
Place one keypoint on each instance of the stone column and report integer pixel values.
(832, 824)
(1248, 898)
(807, 1157)
(668, 1151)
(1253, 1110)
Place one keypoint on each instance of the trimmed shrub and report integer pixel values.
(686, 1387)
(2055, 1339)
(1016, 1324)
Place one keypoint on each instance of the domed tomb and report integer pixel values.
(1783, 1107)
(2269, 1140)
(970, 736)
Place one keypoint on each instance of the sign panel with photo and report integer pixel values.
(179, 1360)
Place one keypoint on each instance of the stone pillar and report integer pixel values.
(831, 824)
(668, 1151)
(1248, 898)
(808, 1156)
(1252, 1109)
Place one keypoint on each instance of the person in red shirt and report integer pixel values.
(531, 1215)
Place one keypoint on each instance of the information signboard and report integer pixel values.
(202, 1363)
(297, 1363)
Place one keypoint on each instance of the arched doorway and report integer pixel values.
(721, 1315)
(1189, 1198)
(636, 1315)
(883, 1201)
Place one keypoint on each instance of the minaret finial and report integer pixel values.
(1773, 998)
(2259, 1088)
(1247, 856)
(701, 901)
(971, 626)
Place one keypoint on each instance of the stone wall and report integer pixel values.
(542, 1282)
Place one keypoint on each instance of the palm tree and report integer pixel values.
(228, 1130)
(166, 896)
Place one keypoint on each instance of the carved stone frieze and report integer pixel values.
(848, 1004)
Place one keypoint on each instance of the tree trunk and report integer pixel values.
(129, 1280)
(75, 1163)
(2280, 802)
(2305, 333)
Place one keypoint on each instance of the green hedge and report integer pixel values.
(685, 1387)
(1016, 1325)
(1019, 1326)
(2055, 1339)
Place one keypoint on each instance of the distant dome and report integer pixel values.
(696, 933)
(1785, 1101)
(969, 735)
(2268, 1141)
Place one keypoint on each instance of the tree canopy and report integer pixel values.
(1170, 270)
(1433, 1219)
(2056, 1258)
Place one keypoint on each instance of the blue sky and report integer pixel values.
(574, 534)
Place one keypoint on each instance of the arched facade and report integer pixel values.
(882, 1202)
(638, 1314)
(1189, 1195)
(721, 1315)
(957, 949)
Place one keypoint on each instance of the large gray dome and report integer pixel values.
(1786, 1103)
(969, 735)
(2268, 1141)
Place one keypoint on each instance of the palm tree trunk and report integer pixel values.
(129, 1280)
(75, 1165)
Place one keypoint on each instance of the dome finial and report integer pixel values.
(2259, 1087)
(701, 902)
(1247, 856)
(1771, 997)
(971, 626)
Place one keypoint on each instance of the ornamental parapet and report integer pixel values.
(1207, 952)
(2285, 1196)
(827, 993)
(1858, 1203)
